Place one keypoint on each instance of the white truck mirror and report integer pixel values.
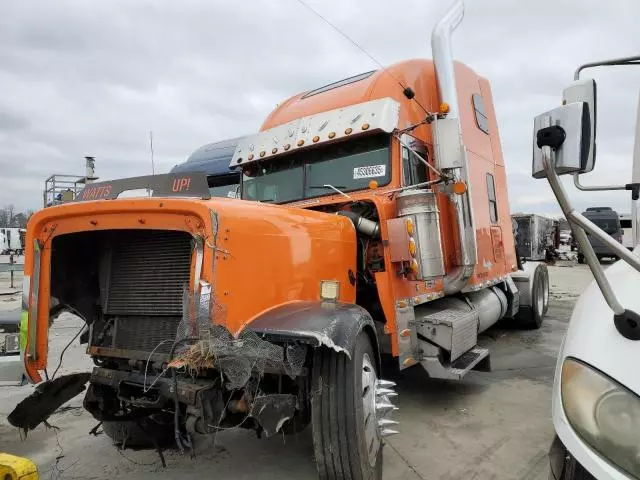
(585, 91)
(571, 124)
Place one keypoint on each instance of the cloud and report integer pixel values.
(93, 78)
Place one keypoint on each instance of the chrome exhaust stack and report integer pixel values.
(443, 56)
(451, 156)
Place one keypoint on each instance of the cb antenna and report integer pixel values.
(153, 168)
(406, 90)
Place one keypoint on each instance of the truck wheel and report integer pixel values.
(531, 316)
(580, 258)
(347, 408)
(545, 291)
(139, 434)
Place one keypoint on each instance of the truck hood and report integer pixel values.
(592, 336)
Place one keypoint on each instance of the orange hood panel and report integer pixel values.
(255, 256)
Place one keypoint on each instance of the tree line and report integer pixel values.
(10, 217)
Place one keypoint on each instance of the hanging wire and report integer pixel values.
(362, 49)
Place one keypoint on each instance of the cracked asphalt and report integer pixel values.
(492, 425)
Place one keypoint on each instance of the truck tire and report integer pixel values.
(139, 434)
(580, 258)
(343, 406)
(531, 316)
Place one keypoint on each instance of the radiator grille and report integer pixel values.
(149, 270)
(144, 334)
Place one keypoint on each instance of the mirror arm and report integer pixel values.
(635, 60)
(627, 322)
(579, 233)
(633, 187)
(585, 188)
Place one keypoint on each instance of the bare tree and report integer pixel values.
(9, 218)
(4, 217)
(11, 210)
(19, 220)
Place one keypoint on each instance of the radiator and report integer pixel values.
(147, 275)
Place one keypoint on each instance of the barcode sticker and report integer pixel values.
(370, 171)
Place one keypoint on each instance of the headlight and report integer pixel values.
(605, 414)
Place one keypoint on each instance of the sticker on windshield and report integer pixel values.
(369, 172)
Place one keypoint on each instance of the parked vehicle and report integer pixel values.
(537, 236)
(12, 241)
(213, 159)
(627, 230)
(565, 237)
(596, 393)
(607, 220)
(373, 222)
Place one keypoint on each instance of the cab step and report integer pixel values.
(475, 359)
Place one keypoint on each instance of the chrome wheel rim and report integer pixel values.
(540, 297)
(546, 292)
(371, 431)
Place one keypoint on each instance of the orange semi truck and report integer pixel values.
(373, 223)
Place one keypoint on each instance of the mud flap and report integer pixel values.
(46, 399)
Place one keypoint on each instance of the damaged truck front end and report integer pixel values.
(202, 314)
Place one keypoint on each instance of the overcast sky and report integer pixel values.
(93, 78)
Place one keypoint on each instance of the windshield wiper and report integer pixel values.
(333, 188)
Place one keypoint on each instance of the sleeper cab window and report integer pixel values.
(493, 204)
(481, 114)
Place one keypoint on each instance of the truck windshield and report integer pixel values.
(223, 185)
(348, 165)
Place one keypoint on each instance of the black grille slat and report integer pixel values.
(149, 271)
(144, 334)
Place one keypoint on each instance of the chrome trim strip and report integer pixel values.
(199, 248)
(33, 310)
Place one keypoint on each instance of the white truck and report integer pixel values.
(596, 394)
(12, 241)
(626, 224)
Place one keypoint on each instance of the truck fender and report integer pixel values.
(328, 324)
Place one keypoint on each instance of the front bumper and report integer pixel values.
(560, 463)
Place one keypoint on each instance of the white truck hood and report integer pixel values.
(592, 336)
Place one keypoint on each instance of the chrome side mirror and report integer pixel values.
(571, 123)
(585, 91)
(560, 134)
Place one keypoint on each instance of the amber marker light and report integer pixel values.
(409, 226)
(459, 188)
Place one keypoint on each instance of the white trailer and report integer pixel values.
(12, 241)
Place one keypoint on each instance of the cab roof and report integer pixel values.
(212, 159)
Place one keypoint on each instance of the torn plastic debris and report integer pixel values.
(238, 358)
(46, 399)
(273, 411)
